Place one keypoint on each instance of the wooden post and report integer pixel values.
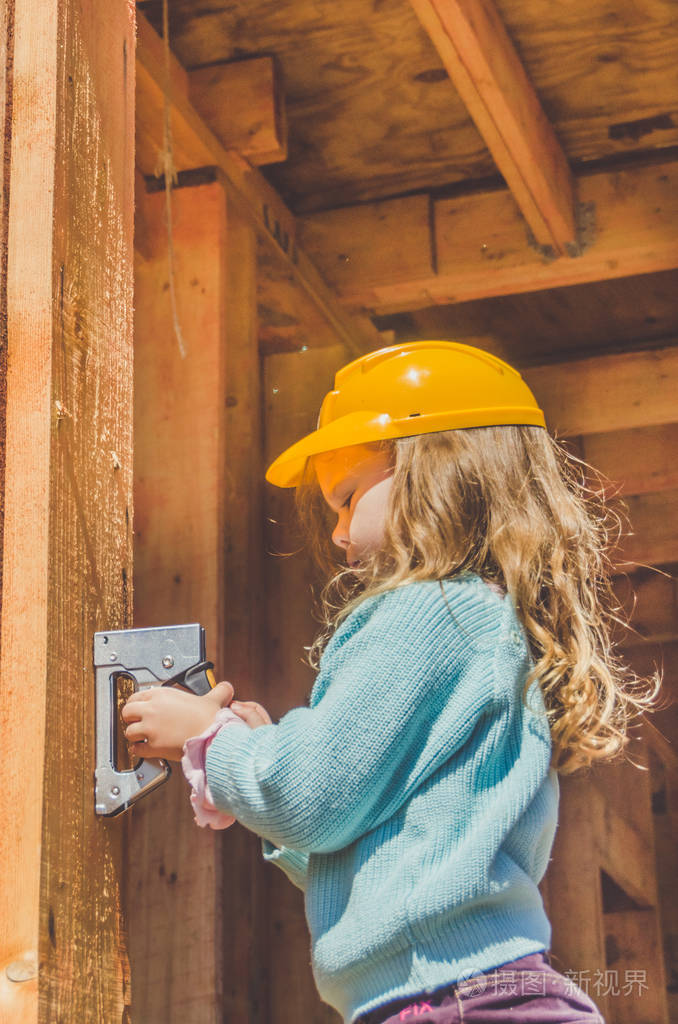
(69, 179)
(294, 387)
(193, 893)
(602, 892)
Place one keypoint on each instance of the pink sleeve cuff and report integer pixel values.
(193, 767)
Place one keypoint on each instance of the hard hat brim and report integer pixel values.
(371, 425)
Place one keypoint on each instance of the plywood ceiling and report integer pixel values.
(372, 111)
(372, 114)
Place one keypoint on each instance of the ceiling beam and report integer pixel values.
(243, 104)
(196, 146)
(486, 71)
(478, 247)
(607, 393)
(240, 101)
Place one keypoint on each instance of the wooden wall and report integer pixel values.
(67, 560)
(194, 896)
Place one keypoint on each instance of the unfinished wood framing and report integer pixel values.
(294, 386)
(242, 103)
(639, 460)
(488, 75)
(197, 146)
(67, 530)
(198, 485)
(607, 393)
(479, 247)
(385, 200)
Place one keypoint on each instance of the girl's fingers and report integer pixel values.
(139, 695)
(222, 693)
(250, 711)
(135, 733)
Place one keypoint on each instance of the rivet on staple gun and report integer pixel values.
(161, 656)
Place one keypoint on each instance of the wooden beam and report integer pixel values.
(574, 889)
(480, 249)
(654, 525)
(637, 461)
(481, 61)
(67, 542)
(254, 119)
(288, 320)
(607, 393)
(196, 146)
(198, 552)
(650, 599)
(605, 823)
(664, 750)
(242, 103)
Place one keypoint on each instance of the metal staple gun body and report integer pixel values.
(161, 656)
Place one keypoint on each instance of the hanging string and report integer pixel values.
(165, 165)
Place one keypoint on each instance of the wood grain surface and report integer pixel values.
(194, 895)
(372, 112)
(67, 532)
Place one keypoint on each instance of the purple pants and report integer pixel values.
(525, 991)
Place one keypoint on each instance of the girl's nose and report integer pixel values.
(340, 535)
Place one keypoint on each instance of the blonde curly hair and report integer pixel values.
(511, 504)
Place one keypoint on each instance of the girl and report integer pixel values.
(466, 659)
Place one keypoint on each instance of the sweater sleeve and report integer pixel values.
(292, 862)
(400, 702)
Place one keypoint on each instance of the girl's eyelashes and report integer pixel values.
(348, 500)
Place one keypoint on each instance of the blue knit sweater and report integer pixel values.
(412, 801)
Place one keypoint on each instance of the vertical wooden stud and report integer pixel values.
(198, 483)
(294, 386)
(68, 510)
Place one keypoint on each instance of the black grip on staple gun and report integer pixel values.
(199, 679)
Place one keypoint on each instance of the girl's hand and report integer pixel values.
(162, 718)
(251, 713)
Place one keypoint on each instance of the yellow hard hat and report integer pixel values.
(415, 388)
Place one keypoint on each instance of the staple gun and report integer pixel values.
(161, 656)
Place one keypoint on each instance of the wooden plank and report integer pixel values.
(294, 386)
(6, 42)
(636, 461)
(627, 853)
(242, 103)
(645, 658)
(198, 484)
(629, 221)
(67, 531)
(664, 780)
(197, 146)
(606, 823)
(650, 599)
(406, 221)
(654, 524)
(628, 226)
(481, 61)
(373, 113)
(635, 980)
(575, 893)
(664, 750)
(255, 125)
(607, 393)
(288, 320)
